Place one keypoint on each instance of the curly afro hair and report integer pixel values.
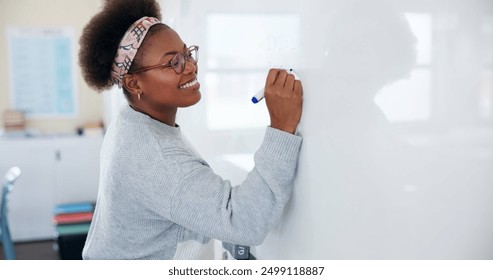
(101, 36)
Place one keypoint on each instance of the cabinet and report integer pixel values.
(54, 170)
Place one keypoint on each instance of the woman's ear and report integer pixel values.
(131, 83)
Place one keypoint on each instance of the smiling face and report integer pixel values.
(162, 89)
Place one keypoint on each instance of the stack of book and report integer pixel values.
(72, 221)
(14, 121)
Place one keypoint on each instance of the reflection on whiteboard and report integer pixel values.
(42, 80)
(239, 52)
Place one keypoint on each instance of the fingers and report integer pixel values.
(297, 87)
(272, 76)
(290, 81)
(280, 77)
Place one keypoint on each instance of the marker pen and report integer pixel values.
(260, 94)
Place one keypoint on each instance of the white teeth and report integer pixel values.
(189, 84)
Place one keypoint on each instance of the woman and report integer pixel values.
(158, 199)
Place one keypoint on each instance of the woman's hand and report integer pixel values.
(284, 98)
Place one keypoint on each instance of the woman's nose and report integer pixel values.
(190, 67)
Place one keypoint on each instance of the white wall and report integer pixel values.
(397, 156)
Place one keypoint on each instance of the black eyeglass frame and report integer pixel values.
(185, 56)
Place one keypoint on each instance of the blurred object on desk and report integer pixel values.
(14, 121)
(91, 129)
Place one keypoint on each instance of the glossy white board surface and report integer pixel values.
(397, 156)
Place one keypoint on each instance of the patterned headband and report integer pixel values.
(128, 48)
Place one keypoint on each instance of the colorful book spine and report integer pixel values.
(73, 208)
(73, 218)
(63, 230)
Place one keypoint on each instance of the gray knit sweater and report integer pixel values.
(159, 200)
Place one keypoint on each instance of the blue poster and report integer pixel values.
(42, 72)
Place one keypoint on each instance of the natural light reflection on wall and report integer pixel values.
(486, 95)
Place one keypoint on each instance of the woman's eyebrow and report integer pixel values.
(168, 53)
(173, 52)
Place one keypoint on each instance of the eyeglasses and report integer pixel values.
(178, 62)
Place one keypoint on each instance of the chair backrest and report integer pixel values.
(12, 174)
(8, 183)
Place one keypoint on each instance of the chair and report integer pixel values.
(8, 183)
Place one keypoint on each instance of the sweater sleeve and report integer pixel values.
(205, 203)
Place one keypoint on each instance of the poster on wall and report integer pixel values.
(42, 71)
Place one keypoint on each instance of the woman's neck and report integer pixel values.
(166, 116)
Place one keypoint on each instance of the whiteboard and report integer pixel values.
(397, 125)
